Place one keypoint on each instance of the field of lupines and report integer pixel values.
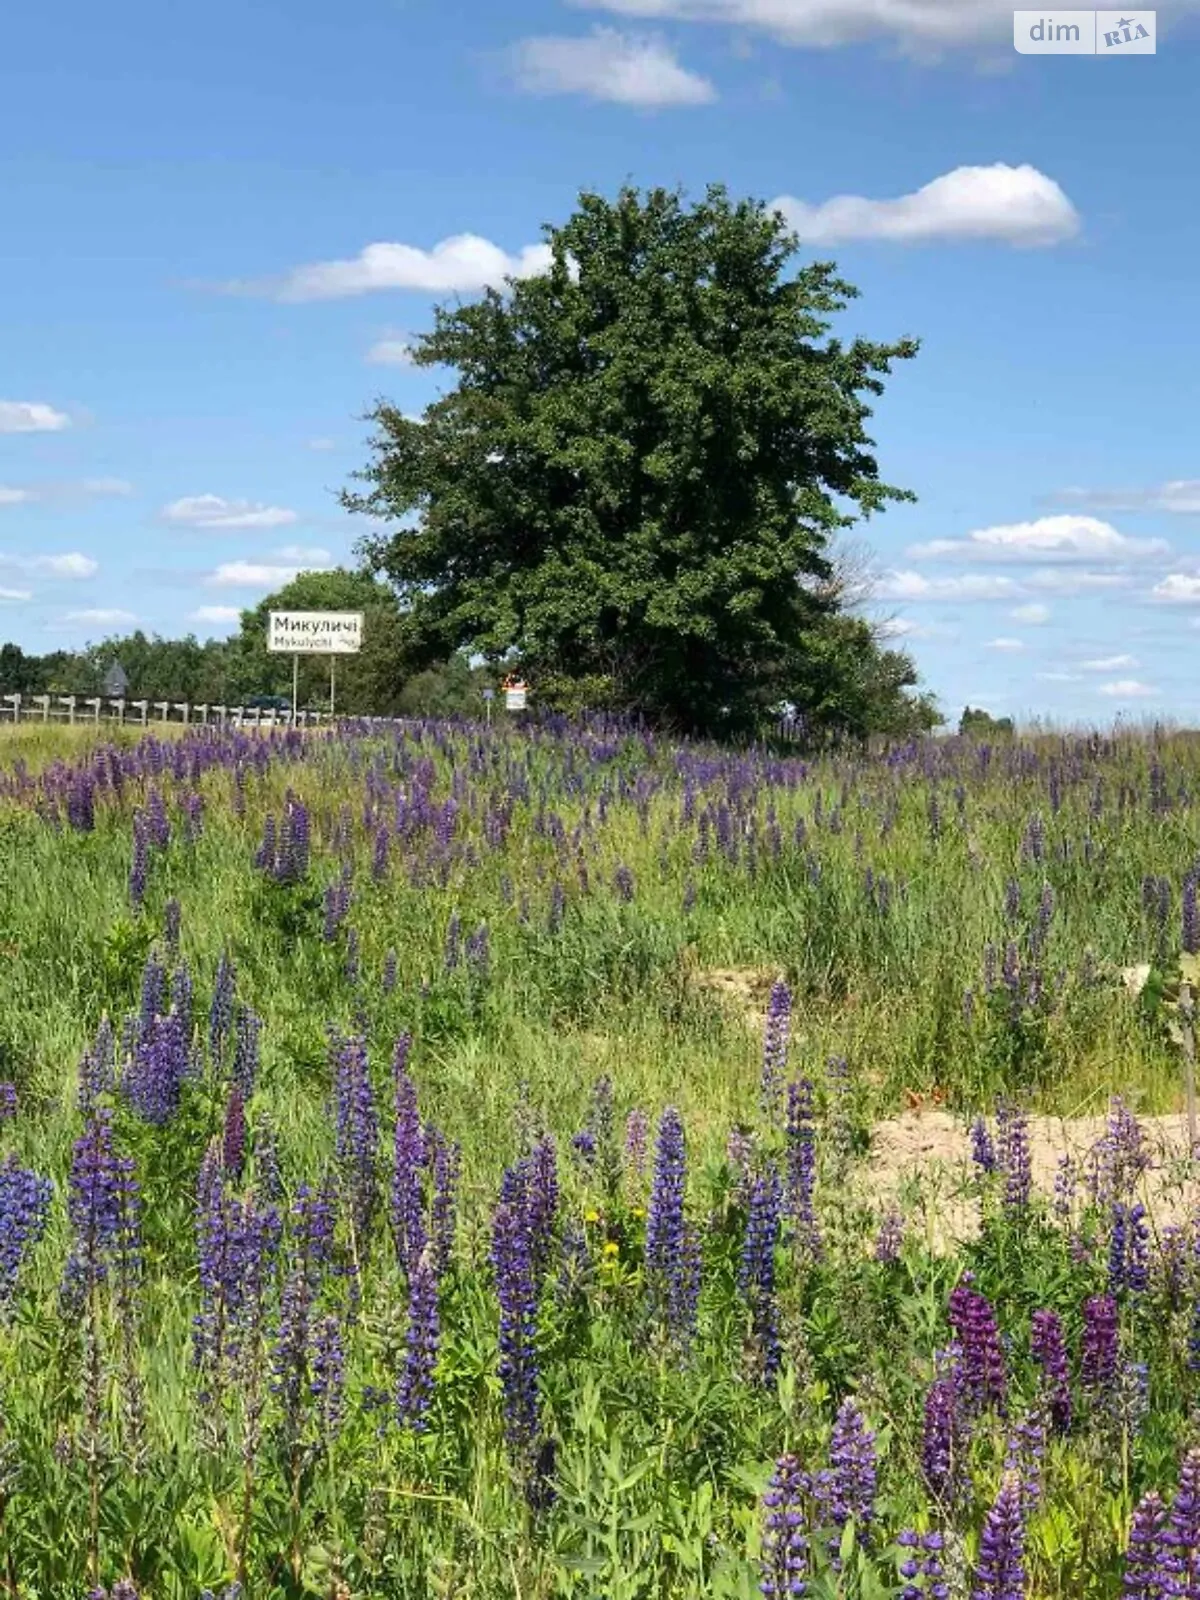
(389, 1205)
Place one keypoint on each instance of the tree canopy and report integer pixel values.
(631, 494)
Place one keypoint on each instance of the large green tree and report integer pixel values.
(633, 491)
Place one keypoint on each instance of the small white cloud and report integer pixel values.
(213, 511)
(1065, 538)
(1109, 663)
(1034, 613)
(71, 565)
(1054, 580)
(15, 497)
(31, 416)
(1008, 205)
(911, 586)
(16, 594)
(627, 69)
(99, 616)
(257, 574)
(1127, 689)
(1177, 588)
(107, 486)
(1179, 496)
(1010, 645)
(460, 265)
(322, 444)
(304, 555)
(390, 353)
(218, 614)
(1059, 677)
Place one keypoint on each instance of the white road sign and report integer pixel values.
(318, 633)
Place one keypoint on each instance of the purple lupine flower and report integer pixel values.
(139, 869)
(601, 1128)
(853, 1469)
(756, 1277)
(1000, 1574)
(1012, 900)
(8, 1102)
(1013, 1156)
(477, 952)
(268, 1180)
(450, 957)
(1181, 1556)
(291, 863)
(890, 1238)
(558, 908)
(233, 1137)
(24, 1207)
(445, 1165)
(172, 923)
(312, 1244)
(1191, 915)
(1064, 1188)
(785, 1566)
(982, 1150)
(943, 1439)
(153, 994)
(1026, 1456)
(357, 1136)
(390, 967)
(623, 883)
(1120, 1157)
(408, 1206)
(101, 1187)
(1049, 1350)
(540, 1179)
(801, 1135)
(637, 1133)
(739, 1153)
(983, 1377)
(379, 857)
(1101, 1346)
(327, 1375)
(154, 1078)
(923, 1570)
(775, 1043)
(246, 1051)
(841, 1131)
(220, 1017)
(414, 1390)
(183, 995)
(516, 1291)
(666, 1224)
(1146, 1576)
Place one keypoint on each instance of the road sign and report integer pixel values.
(315, 633)
(514, 696)
(489, 694)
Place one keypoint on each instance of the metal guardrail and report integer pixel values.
(83, 709)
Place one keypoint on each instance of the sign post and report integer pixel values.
(319, 633)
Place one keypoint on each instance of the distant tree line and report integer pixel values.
(378, 681)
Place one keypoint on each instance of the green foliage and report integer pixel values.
(982, 725)
(633, 488)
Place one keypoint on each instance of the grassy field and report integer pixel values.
(261, 1354)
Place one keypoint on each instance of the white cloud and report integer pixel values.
(627, 69)
(1058, 677)
(15, 497)
(910, 586)
(304, 555)
(31, 416)
(1034, 613)
(16, 594)
(390, 353)
(71, 565)
(265, 574)
(924, 26)
(1065, 538)
(1127, 689)
(213, 511)
(107, 486)
(459, 265)
(1012, 205)
(1109, 664)
(100, 616)
(1054, 580)
(1179, 496)
(322, 444)
(1177, 588)
(1010, 645)
(219, 614)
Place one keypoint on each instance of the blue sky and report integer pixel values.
(193, 319)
